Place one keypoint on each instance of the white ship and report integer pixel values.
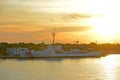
(52, 51)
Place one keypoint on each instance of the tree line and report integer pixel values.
(40, 46)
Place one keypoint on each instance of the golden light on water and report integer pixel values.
(109, 61)
(109, 66)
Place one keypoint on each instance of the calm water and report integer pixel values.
(105, 68)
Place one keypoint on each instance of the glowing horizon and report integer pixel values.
(34, 20)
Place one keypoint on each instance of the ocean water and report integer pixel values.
(104, 68)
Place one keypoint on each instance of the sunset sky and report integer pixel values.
(34, 20)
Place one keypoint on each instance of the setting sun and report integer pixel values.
(59, 39)
(105, 28)
(33, 20)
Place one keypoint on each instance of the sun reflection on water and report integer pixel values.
(109, 61)
(109, 66)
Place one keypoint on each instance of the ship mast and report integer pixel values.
(53, 34)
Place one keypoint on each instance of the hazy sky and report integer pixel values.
(34, 20)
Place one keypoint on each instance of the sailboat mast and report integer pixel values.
(53, 34)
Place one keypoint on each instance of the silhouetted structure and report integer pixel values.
(53, 34)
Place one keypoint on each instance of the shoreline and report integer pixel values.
(39, 57)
